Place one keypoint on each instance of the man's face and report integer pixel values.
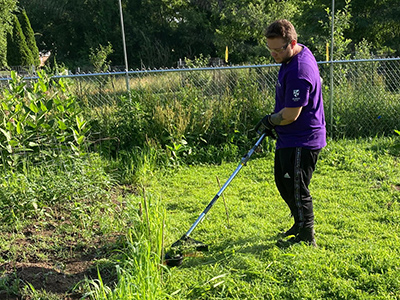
(280, 50)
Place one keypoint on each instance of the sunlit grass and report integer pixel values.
(357, 210)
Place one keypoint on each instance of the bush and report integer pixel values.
(185, 120)
(39, 122)
(29, 37)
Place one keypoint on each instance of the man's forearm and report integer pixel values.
(276, 119)
(285, 116)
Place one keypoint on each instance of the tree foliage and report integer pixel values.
(6, 9)
(378, 22)
(160, 32)
(98, 57)
(18, 53)
(29, 37)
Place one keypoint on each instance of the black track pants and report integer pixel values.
(293, 171)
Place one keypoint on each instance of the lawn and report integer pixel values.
(106, 242)
(357, 210)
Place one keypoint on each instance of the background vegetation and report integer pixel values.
(159, 33)
(6, 9)
(91, 198)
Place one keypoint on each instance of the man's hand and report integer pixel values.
(264, 125)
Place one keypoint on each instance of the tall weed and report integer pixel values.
(138, 266)
(192, 114)
(33, 193)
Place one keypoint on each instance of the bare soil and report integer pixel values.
(56, 265)
(54, 257)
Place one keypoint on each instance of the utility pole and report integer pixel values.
(124, 46)
(331, 64)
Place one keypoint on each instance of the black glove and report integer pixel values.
(265, 125)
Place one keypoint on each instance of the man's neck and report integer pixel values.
(296, 50)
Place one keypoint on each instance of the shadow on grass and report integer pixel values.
(228, 249)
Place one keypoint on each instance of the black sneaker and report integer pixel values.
(294, 230)
(306, 235)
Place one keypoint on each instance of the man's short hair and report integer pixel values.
(281, 28)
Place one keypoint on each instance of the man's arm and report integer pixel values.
(286, 115)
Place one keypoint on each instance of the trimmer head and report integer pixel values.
(186, 242)
(173, 261)
(184, 245)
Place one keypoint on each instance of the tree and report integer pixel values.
(159, 32)
(241, 26)
(98, 57)
(70, 28)
(378, 22)
(164, 31)
(7, 7)
(18, 53)
(29, 37)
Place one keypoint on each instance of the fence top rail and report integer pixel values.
(358, 60)
(133, 72)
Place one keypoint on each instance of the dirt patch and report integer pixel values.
(57, 265)
(46, 277)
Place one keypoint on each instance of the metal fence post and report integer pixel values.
(124, 46)
(331, 67)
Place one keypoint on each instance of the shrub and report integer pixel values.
(39, 122)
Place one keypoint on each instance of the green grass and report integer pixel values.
(101, 240)
(357, 209)
(83, 227)
(92, 223)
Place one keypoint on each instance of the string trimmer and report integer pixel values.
(185, 244)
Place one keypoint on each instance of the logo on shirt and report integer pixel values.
(296, 94)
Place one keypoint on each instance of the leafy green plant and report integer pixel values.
(98, 57)
(178, 150)
(36, 121)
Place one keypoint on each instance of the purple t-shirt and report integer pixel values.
(299, 84)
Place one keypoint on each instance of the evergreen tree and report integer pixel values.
(18, 53)
(6, 9)
(29, 36)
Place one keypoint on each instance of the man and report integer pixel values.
(299, 122)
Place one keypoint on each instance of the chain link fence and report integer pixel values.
(362, 97)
